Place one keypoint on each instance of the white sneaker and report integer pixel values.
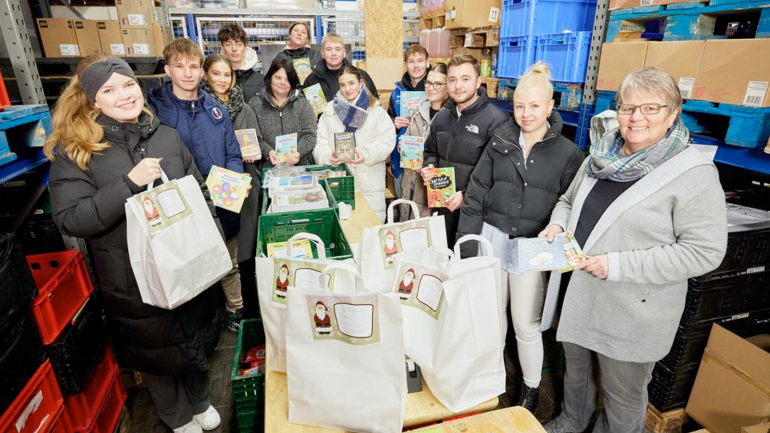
(208, 420)
(190, 427)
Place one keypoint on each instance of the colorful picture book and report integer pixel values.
(305, 181)
(284, 145)
(247, 139)
(572, 251)
(227, 188)
(303, 68)
(410, 103)
(299, 200)
(441, 187)
(345, 146)
(301, 249)
(537, 254)
(315, 95)
(412, 148)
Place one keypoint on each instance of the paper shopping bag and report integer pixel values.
(345, 358)
(275, 278)
(380, 244)
(462, 353)
(175, 248)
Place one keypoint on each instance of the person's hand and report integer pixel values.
(456, 201)
(273, 157)
(550, 231)
(401, 122)
(145, 172)
(248, 160)
(359, 158)
(334, 160)
(427, 174)
(293, 158)
(598, 266)
(248, 190)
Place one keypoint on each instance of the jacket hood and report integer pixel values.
(126, 133)
(250, 59)
(511, 130)
(425, 109)
(406, 80)
(473, 108)
(322, 70)
(168, 105)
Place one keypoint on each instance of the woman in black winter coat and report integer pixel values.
(107, 147)
(525, 167)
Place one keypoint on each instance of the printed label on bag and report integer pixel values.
(685, 86)
(494, 14)
(755, 93)
(136, 20)
(297, 273)
(420, 287)
(163, 206)
(118, 49)
(69, 50)
(141, 49)
(350, 319)
(411, 235)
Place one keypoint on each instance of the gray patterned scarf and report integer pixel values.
(234, 104)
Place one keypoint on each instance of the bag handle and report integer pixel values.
(342, 266)
(483, 242)
(415, 211)
(319, 244)
(443, 251)
(163, 177)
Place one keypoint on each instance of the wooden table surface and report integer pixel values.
(509, 420)
(421, 407)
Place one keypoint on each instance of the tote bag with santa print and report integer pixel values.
(345, 357)
(275, 277)
(380, 244)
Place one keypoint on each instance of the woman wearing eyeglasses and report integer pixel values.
(436, 95)
(649, 212)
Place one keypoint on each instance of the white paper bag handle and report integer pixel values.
(319, 244)
(483, 242)
(415, 211)
(343, 266)
(438, 250)
(163, 177)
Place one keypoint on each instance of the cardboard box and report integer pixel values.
(681, 59)
(662, 422)
(135, 14)
(59, 37)
(139, 42)
(88, 37)
(759, 428)
(735, 71)
(475, 52)
(472, 13)
(617, 60)
(162, 35)
(732, 388)
(110, 38)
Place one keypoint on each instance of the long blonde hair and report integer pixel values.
(75, 131)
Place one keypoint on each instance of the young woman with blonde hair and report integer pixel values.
(526, 166)
(106, 147)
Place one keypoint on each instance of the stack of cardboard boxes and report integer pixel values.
(136, 33)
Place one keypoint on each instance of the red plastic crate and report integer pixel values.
(63, 285)
(110, 413)
(82, 409)
(37, 405)
(62, 424)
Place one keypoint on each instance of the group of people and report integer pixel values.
(647, 209)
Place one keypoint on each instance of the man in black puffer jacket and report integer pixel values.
(459, 133)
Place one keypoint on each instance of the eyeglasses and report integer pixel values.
(646, 109)
(436, 85)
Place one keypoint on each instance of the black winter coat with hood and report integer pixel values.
(90, 204)
(517, 194)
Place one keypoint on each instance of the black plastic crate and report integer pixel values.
(721, 295)
(17, 287)
(670, 389)
(39, 235)
(690, 340)
(75, 352)
(747, 247)
(21, 353)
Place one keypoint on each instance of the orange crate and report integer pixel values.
(82, 409)
(63, 285)
(37, 405)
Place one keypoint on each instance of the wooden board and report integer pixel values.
(362, 216)
(510, 420)
(383, 21)
(671, 421)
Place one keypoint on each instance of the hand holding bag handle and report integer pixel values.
(163, 177)
(415, 211)
(319, 244)
(484, 242)
(343, 266)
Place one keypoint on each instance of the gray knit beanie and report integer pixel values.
(96, 74)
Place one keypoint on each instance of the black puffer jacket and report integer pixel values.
(313, 55)
(517, 195)
(459, 141)
(90, 204)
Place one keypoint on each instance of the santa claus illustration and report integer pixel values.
(282, 282)
(323, 322)
(406, 286)
(151, 212)
(390, 246)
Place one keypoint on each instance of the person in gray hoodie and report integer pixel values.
(282, 109)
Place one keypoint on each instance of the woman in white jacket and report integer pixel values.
(355, 110)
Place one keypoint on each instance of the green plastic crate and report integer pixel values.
(280, 227)
(324, 185)
(248, 391)
(343, 188)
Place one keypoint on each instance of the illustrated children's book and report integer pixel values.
(315, 95)
(441, 187)
(247, 139)
(301, 249)
(302, 66)
(227, 188)
(284, 145)
(410, 103)
(299, 200)
(345, 146)
(537, 254)
(572, 251)
(412, 148)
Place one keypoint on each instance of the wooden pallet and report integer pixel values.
(666, 422)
